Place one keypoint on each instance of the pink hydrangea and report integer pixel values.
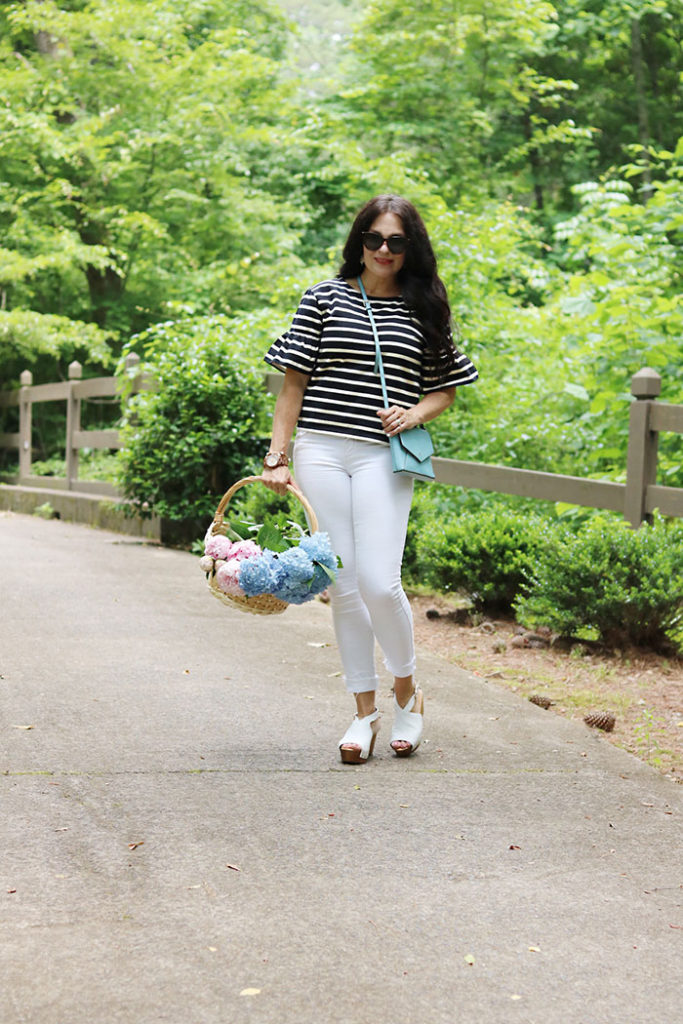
(244, 549)
(218, 546)
(227, 578)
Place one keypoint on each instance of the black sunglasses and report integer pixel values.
(372, 240)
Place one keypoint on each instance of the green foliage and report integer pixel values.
(277, 533)
(516, 95)
(258, 505)
(274, 530)
(486, 555)
(626, 61)
(93, 464)
(26, 336)
(137, 146)
(620, 309)
(190, 437)
(45, 511)
(624, 584)
(449, 83)
(557, 341)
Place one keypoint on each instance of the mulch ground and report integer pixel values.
(642, 690)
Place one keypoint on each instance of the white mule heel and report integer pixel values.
(358, 742)
(408, 724)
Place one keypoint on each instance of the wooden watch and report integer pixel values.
(274, 459)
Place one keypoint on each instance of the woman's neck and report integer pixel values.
(380, 287)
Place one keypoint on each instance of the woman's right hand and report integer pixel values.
(277, 479)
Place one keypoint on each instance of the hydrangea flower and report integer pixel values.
(293, 574)
(227, 578)
(218, 546)
(320, 581)
(319, 549)
(257, 574)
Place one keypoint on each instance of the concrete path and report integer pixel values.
(180, 843)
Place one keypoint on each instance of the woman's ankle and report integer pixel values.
(365, 703)
(404, 688)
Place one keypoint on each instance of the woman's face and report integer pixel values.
(381, 262)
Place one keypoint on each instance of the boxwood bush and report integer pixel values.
(197, 431)
(486, 555)
(624, 585)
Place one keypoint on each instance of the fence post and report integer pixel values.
(132, 362)
(641, 462)
(25, 424)
(73, 423)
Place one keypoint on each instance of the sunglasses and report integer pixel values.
(372, 240)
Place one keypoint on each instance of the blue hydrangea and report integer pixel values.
(320, 581)
(319, 549)
(295, 575)
(257, 575)
(292, 576)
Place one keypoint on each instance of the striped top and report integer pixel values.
(331, 341)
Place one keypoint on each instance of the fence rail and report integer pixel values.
(637, 499)
(72, 391)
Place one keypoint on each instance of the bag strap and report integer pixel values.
(379, 366)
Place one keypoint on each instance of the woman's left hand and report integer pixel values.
(395, 419)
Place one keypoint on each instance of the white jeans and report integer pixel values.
(364, 507)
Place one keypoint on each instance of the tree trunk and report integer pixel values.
(106, 288)
(535, 162)
(641, 103)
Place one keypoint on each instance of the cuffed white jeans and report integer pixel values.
(364, 507)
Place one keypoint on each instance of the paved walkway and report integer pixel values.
(180, 843)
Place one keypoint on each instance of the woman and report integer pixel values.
(332, 395)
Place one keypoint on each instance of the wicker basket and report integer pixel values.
(261, 604)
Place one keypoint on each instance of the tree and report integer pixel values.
(523, 98)
(626, 59)
(135, 140)
(458, 85)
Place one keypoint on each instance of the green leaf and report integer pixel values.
(577, 391)
(238, 530)
(270, 537)
(326, 569)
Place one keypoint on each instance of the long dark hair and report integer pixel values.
(422, 288)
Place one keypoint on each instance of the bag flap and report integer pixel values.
(418, 442)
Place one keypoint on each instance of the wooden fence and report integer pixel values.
(637, 499)
(73, 392)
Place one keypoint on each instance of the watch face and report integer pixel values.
(271, 460)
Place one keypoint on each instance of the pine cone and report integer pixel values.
(519, 640)
(542, 702)
(601, 720)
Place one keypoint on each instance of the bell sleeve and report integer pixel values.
(297, 349)
(434, 378)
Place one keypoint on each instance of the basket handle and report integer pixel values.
(223, 504)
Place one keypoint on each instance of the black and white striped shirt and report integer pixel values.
(331, 341)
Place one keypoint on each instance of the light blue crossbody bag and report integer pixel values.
(411, 450)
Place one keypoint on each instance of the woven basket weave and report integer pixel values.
(261, 604)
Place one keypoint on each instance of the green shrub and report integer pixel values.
(422, 511)
(194, 434)
(627, 585)
(93, 464)
(485, 554)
